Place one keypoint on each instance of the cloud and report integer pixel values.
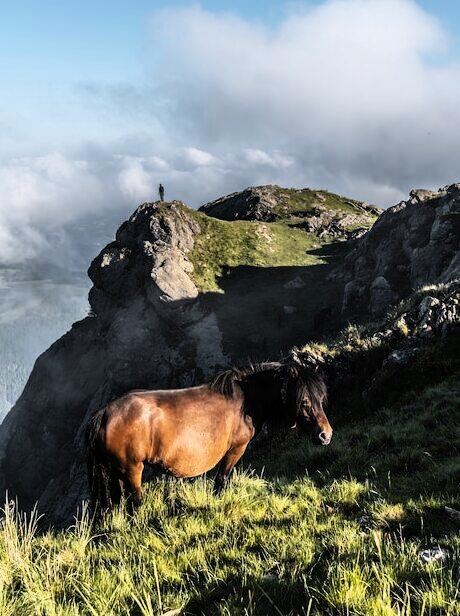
(276, 159)
(134, 180)
(198, 158)
(352, 90)
(47, 189)
(357, 96)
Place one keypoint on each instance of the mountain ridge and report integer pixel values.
(155, 324)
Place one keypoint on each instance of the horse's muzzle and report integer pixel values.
(324, 438)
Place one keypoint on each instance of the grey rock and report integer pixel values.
(254, 203)
(381, 294)
(295, 283)
(147, 332)
(421, 194)
(452, 513)
(434, 555)
(400, 357)
(411, 244)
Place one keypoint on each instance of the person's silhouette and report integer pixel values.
(161, 190)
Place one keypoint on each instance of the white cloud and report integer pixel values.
(134, 180)
(51, 189)
(274, 159)
(198, 158)
(351, 89)
(356, 96)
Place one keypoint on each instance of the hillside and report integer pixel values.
(301, 530)
(177, 295)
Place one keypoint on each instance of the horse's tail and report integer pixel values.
(98, 471)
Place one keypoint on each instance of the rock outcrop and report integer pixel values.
(414, 345)
(146, 330)
(152, 326)
(318, 212)
(413, 243)
(254, 203)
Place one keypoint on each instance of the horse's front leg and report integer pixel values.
(133, 482)
(226, 467)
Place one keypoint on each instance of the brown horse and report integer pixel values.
(186, 432)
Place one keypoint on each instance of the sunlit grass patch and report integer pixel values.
(223, 244)
(330, 530)
(262, 544)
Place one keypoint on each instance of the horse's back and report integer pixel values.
(187, 431)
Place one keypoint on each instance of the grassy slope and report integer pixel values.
(276, 255)
(259, 244)
(239, 243)
(292, 201)
(334, 530)
(301, 530)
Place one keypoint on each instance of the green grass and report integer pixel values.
(306, 200)
(308, 530)
(230, 244)
(221, 244)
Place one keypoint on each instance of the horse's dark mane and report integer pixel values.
(309, 381)
(225, 382)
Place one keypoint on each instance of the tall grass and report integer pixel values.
(280, 547)
(302, 530)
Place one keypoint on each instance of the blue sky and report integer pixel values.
(102, 100)
(47, 49)
(107, 39)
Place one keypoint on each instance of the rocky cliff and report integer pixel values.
(144, 331)
(180, 293)
(413, 243)
(177, 295)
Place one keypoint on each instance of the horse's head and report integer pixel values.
(304, 393)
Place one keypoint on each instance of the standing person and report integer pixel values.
(161, 190)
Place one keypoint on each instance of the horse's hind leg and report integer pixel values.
(226, 467)
(133, 482)
(116, 490)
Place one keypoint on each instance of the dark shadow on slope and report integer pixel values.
(264, 311)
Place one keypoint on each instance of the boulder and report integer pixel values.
(411, 244)
(254, 203)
